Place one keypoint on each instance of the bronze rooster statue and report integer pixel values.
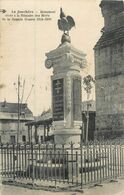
(65, 23)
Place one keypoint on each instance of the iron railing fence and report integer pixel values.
(76, 164)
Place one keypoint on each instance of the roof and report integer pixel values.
(44, 116)
(41, 119)
(109, 37)
(8, 107)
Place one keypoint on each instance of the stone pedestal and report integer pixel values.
(66, 92)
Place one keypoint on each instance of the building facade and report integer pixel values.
(9, 122)
(109, 72)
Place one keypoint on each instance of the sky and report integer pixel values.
(23, 45)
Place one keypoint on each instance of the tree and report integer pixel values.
(88, 83)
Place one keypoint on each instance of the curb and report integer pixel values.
(34, 186)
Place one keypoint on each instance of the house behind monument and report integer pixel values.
(9, 122)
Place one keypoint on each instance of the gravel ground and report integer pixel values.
(111, 188)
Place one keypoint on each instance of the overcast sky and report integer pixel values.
(24, 44)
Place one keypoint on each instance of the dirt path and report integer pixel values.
(113, 188)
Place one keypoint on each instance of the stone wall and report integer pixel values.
(109, 72)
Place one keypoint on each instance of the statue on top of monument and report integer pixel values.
(65, 23)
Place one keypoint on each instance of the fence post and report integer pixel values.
(94, 156)
(1, 152)
(43, 168)
(39, 161)
(81, 153)
(22, 154)
(105, 151)
(100, 157)
(8, 169)
(72, 162)
(77, 168)
(32, 159)
(25, 151)
(13, 161)
(97, 166)
(55, 154)
(115, 162)
(118, 159)
(122, 159)
(59, 165)
(63, 162)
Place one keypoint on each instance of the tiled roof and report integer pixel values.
(13, 108)
(45, 116)
(41, 119)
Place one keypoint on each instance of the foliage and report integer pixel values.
(88, 82)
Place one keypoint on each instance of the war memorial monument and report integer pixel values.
(66, 62)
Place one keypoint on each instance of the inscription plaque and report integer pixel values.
(58, 100)
(77, 99)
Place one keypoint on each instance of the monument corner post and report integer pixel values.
(67, 63)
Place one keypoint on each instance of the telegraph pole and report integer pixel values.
(87, 82)
(20, 96)
(18, 90)
(87, 116)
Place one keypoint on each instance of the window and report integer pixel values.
(24, 138)
(12, 139)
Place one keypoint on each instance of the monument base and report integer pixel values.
(67, 136)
